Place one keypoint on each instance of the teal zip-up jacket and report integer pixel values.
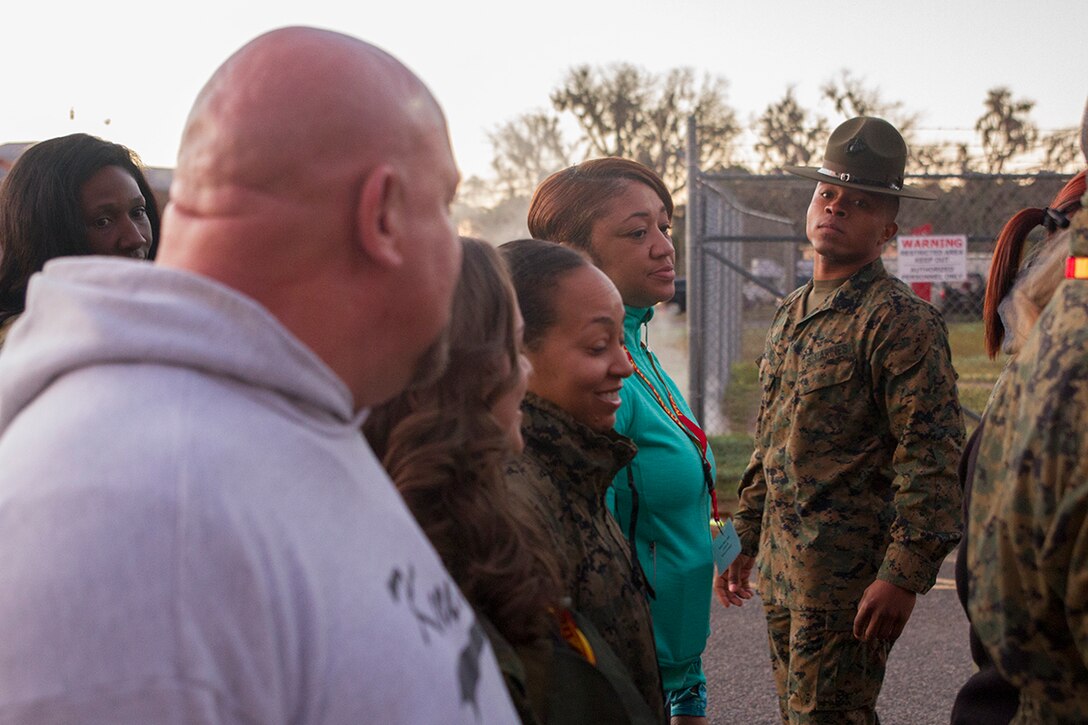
(671, 527)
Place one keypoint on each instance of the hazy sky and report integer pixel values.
(140, 65)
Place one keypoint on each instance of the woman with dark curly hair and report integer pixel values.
(69, 196)
(444, 443)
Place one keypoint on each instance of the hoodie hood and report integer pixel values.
(88, 311)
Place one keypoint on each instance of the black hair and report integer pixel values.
(536, 269)
(40, 213)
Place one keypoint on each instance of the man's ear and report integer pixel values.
(379, 216)
(889, 232)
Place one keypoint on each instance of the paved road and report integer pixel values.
(926, 667)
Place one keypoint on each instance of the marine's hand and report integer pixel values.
(732, 587)
(883, 611)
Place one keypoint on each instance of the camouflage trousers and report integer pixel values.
(1057, 708)
(823, 675)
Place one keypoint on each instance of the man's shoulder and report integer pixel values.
(896, 294)
(893, 308)
(140, 450)
(790, 300)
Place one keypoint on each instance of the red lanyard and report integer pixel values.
(690, 428)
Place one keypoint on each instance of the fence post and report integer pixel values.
(693, 266)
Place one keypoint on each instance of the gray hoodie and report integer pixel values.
(192, 529)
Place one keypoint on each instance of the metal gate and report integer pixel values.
(746, 248)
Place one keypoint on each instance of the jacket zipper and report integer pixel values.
(653, 560)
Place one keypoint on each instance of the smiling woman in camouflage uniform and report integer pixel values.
(574, 340)
(850, 498)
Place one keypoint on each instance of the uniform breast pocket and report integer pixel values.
(825, 376)
(770, 364)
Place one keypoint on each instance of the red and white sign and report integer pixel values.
(932, 258)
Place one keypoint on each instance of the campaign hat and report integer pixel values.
(864, 153)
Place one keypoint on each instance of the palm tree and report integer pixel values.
(1005, 128)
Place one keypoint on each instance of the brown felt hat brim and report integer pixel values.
(907, 192)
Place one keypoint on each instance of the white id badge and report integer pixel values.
(726, 545)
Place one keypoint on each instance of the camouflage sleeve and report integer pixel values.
(752, 493)
(916, 384)
(1075, 518)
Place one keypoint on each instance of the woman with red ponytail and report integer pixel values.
(1009, 263)
(1020, 285)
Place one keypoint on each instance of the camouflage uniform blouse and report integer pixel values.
(562, 477)
(853, 476)
(1027, 549)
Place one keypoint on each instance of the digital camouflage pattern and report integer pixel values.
(822, 674)
(1027, 551)
(860, 431)
(562, 477)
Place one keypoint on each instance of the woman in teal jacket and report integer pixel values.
(620, 213)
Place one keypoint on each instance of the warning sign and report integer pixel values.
(932, 259)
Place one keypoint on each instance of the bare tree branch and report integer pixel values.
(625, 111)
(787, 135)
(526, 149)
(1005, 128)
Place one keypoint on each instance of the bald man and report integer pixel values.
(192, 529)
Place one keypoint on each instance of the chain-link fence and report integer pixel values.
(746, 248)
